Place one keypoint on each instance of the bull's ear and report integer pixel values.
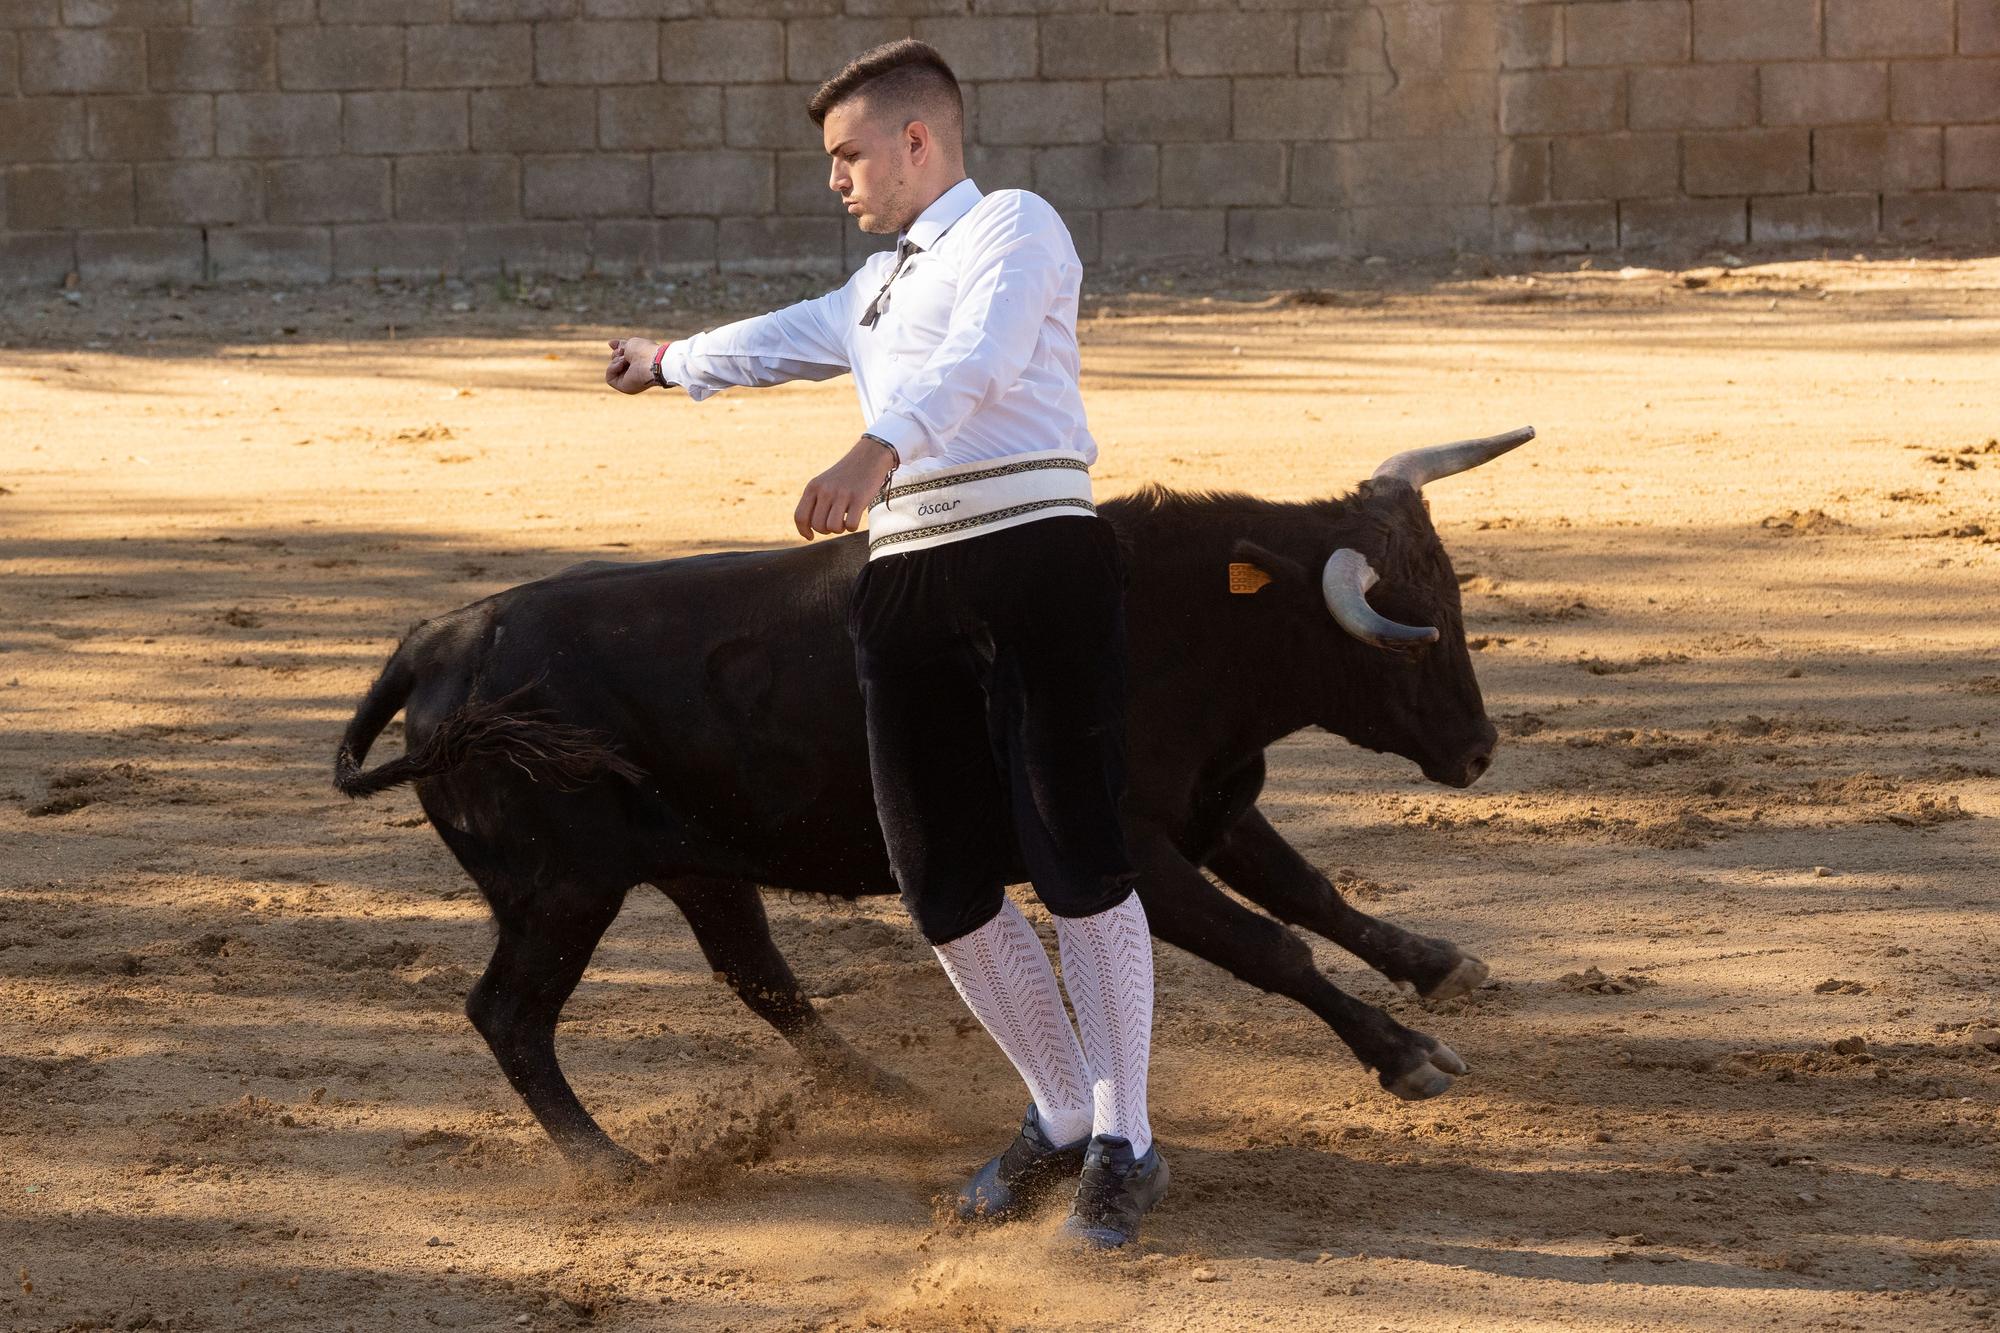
(1251, 567)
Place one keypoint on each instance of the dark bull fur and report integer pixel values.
(694, 724)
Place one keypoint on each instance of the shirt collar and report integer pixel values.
(946, 209)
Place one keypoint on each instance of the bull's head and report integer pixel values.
(1397, 675)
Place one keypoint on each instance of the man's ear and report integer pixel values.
(1252, 566)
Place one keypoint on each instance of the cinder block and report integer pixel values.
(1318, 174)
(1290, 233)
(873, 8)
(1041, 113)
(1756, 29)
(1555, 229)
(1000, 168)
(340, 59)
(508, 11)
(210, 60)
(271, 254)
(46, 198)
(599, 52)
(1104, 46)
(713, 181)
(277, 124)
(666, 115)
(124, 13)
(817, 48)
(1825, 93)
(586, 185)
(1786, 219)
(251, 13)
(10, 82)
(1233, 43)
(1524, 170)
(1634, 32)
(33, 14)
(1421, 171)
(641, 9)
(777, 9)
(1694, 97)
(1162, 233)
(1296, 108)
(1963, 216)
(148, 129)
(384, 11)
(1083, 235)
(189, 193)
(1562, 101)
(857, 245)
(983, 48)
(768, 115)
(667, 246)
(1442, 102)
(534, 120)
(148, 256)
(1531, 37)
(802, 186)
(458, 189)
(1979, 27)
(1947, 92)
(1164, 110)
(1204, 175)
(36, 258)
(469, 55)
(554, 249)
(396, 249)
(1410, 231)
(1972, 157)
(1878, 157)
(1682, 224)
(1888, 28)
(1620, 166)
(779, 245)
(1420, 37)
(722, 51)
(406, 122)
(1343, 40)
(1748, 162)
(46, 129)
(82, 60)
(1099, 175)
(331, 189)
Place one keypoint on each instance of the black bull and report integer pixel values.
(695, 724)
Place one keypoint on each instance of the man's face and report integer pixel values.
(871, 166)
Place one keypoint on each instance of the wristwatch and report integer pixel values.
(658, 378)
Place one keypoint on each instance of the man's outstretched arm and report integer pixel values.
(806, 340)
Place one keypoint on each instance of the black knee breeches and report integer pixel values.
(993, 675)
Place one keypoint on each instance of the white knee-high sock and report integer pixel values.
(1107, 967)
(1002, 973)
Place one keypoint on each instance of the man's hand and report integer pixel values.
(631, 368)
(838, 498)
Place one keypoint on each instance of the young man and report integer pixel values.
(988, 623)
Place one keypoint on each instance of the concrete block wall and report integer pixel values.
(286, 139)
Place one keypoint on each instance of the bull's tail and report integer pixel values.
(565, 754)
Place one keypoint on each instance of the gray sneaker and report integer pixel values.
(1026, 1168)
(1114, 1192)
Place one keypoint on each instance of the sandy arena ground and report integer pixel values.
(1735, 612)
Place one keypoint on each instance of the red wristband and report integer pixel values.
(659, 352)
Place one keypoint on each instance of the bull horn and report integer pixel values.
(1345, 583)
(1420, 467)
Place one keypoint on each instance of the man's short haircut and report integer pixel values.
(907, 76)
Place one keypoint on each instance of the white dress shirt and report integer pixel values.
(972, 358)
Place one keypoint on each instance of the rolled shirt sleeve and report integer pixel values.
(806, 340)
(1012, 274)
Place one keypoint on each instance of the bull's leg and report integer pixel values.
(1186, 910)
(728, 921)
(1258, 863)
(536, 964)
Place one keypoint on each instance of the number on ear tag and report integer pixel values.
(1246, 578)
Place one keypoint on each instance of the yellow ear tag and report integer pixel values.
(1245, 578)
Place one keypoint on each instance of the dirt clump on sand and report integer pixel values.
(1736, 1064)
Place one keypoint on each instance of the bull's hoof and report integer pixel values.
(1432, 1076)
(1467, 977)
(859, 1077)
(610, 1165)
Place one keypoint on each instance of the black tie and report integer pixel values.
(881, 302)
